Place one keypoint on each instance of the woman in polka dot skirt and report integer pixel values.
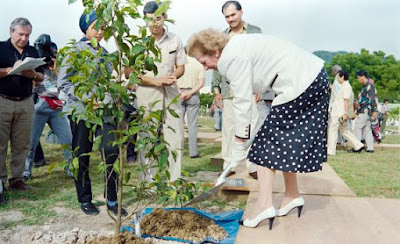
(293, 136)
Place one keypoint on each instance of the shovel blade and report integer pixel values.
(205, 195)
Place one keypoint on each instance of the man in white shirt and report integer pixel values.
(189, 86)
(340, 114)
(162, 87)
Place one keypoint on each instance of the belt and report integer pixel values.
(14, 98)
(363, 111)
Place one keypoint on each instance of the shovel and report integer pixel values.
(205, 195)
(220, 182)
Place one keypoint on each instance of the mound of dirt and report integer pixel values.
(182, 224)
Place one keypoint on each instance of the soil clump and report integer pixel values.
(182, 224)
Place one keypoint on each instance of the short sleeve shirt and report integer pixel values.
(15, 85)
(172, 54)
(193, 73)
(344, 93)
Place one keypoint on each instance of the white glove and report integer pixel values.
(238, 155)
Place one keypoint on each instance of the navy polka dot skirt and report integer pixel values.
(293, 136)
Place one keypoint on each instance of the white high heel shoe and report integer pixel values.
(295, 203)
(269, 214)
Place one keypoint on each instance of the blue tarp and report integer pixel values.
(227, 220)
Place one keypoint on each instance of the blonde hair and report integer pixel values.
(207, 42)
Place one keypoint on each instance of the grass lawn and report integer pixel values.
(391, 139)
(54, 189)
(370, 174)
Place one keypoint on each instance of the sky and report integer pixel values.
(345, 25)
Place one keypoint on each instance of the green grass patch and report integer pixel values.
(206, 124)
(391, 139)
(194, 165)
(369, 174)
(55, 189)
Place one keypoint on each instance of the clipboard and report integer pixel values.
(27, 63)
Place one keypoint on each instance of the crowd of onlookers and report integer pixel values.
(23, 118)
(355, 121)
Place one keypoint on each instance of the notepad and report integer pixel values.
(27, 63)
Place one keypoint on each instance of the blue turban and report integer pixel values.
(84, 24)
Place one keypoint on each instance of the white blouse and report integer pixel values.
(255, 63)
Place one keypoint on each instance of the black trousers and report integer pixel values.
(130, 150)
(80, 138)
(39, 155)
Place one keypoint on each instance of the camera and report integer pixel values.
(46, 48)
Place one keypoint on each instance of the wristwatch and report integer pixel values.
(216, 90)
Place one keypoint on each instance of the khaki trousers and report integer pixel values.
(15, 126)
(147, 95)
(228, 132)
(334, 126)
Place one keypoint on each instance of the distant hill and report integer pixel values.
(327, 56)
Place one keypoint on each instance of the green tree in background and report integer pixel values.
(383, 69)
(206, 99)
(327, 55)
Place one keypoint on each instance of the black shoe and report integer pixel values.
(370, 151)
(131, 160)
(39, 164)
(114, 209)
(2, 200)
(89, 208)
(18, 185)
(196, 156)
(356, 151)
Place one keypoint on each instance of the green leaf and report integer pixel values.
(162, 8)
(173, 113)
(101, 167)
(134, 130)
(163, 160)
(116, 166)
(96, 143)
(124, 47)
(174, 101)
(71, 1)
(51, 167)
(127, 177)
(144, 32)
(94, 42)
(108, 32)
(137, 49)
(158, 148)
